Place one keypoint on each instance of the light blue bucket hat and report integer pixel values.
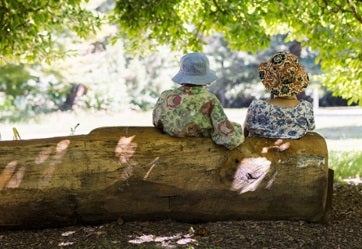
(194, 69)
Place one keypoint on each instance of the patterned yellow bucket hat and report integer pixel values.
(283, 75)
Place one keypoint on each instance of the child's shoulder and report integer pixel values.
(203, 93)
(167, 92)
(306, 104)
(258, 103)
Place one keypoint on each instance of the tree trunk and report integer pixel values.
(76, 91)
(296, 48)
(137, 173)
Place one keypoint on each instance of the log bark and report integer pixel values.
(138, 173)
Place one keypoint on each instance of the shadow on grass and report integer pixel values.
(343, 132)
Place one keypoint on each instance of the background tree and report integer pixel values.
(331, 27)
(25, 91)
(29, 29)
(226, 30)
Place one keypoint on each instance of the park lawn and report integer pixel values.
(347, 165)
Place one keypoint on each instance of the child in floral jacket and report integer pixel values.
(284, 116)
(190, 110)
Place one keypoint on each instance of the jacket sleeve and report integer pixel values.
(226, 133)
(157, 111)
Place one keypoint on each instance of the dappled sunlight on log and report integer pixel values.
(61, 149)
(16, 179)
(47, 174)
(124, 150)
(43, 156)
(278, 145)
(250, 174)
(7, 173)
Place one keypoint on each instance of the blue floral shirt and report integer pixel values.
(270, 121)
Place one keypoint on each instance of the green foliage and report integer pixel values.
(147, 77)
(346, 164)
(25, 93)
(30, 29)
(331, 27)
(238, 78)
(114, 79)
(13, 83)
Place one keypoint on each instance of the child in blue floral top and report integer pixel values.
(284, 116)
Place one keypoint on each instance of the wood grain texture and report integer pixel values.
(137, 173)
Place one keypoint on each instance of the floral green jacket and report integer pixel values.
(195, 112)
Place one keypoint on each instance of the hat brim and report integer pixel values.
(181, 78)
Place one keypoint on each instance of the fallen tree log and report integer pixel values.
(137, 173)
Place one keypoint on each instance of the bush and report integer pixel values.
(346, 164)
(27, 94)
(329, 100)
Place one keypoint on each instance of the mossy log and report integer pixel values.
(138, 173)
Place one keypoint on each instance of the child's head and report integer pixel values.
(194, 70)
(283, 75)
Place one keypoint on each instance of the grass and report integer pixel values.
(346, 164)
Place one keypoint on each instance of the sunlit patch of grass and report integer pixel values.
(346, 164)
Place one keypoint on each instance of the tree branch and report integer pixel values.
(354, 11)
(339, 8)
(3, 15)
(332, 10)
(218, 7)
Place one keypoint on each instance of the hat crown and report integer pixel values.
(283, 75)
(195, 64)
(194, 70)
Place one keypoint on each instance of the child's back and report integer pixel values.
(265, 119)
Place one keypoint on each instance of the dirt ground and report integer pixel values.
(343, 231)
